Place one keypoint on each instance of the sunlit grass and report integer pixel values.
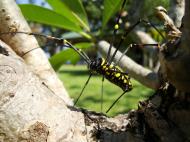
(74, 78)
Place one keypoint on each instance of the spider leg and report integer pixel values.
(131, 46)
(129, 30)
(102, 93)
(79, 51)
(86, 83)
(116, 101)
(59, 41)
(116, 27)
(126, 90)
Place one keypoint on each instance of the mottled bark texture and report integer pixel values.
(27, 47)
(177, 11)
(29, 109)
(175, 53)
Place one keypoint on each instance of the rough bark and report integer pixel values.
(30, 111)
(27, 47)
(174, 54)
(29, 108)
(177, 11)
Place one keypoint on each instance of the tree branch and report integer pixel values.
(143, 75)
(30, 111)
(27, 47)
(186, 29)
(177, 10)
(27, 103)
(175, 53)
(144, 38)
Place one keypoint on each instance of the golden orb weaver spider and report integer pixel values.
(101, 66)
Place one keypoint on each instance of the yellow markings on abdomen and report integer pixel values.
(103, 62)
(117, 75)
(116, 27)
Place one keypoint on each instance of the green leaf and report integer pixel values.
(68, 55)
(84, 45)
(59, 7)
(73, 10)
(49, 17)
(78, 9)
(62, 57)
(110, 8)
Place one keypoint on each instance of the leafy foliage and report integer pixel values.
(49, 17)
(110, 7)
(67, 55)
(68, 15)
(87, 18)
(75, 13)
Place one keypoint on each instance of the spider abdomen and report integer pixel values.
(112, 73)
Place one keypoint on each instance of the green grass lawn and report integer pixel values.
(74, 78)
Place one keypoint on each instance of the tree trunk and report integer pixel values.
(31, 111)
(27, 47)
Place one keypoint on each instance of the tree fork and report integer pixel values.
(30, 109)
